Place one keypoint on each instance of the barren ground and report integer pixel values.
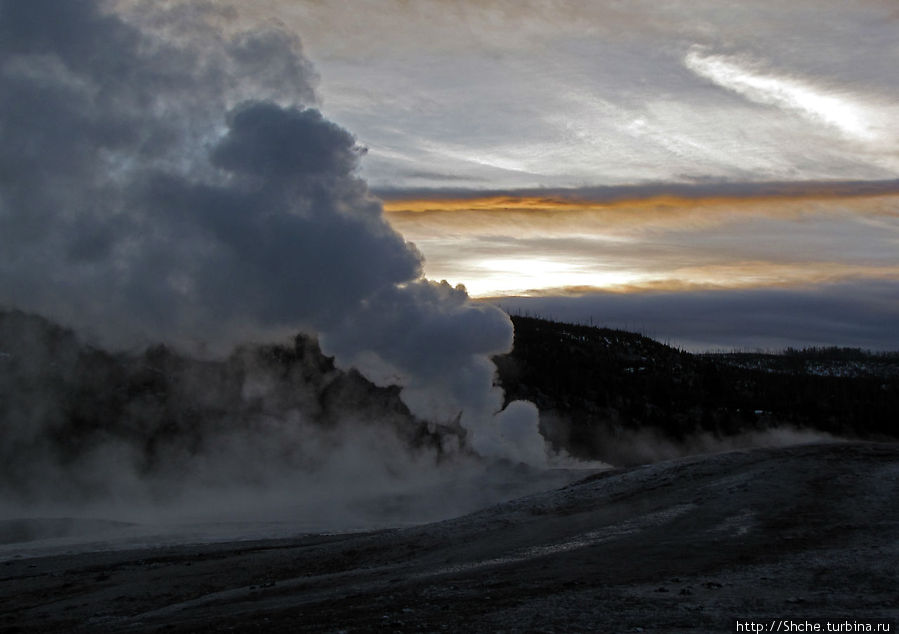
(689, 545)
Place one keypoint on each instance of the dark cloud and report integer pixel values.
(121, 184)
(269, 142)
(268, 60)
(862, 313)
(697, 190)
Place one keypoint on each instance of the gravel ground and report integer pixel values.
(695, 544)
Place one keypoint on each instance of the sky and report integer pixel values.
(501, 94)
(628, 163)
(716, 174)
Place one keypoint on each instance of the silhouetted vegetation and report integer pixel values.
(591, 384)
(601, 381)
(62, 398)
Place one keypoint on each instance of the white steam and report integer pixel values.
(165, 179)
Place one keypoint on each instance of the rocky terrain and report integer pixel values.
(695, 544)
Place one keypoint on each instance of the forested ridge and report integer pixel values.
(595, 387)
(601, 381)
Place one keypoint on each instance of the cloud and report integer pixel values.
(573, 93)
(841, 112)
(585, 196)
(166, 178)
(652, 237)
(625, 211)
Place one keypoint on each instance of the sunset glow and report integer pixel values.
(540, 245)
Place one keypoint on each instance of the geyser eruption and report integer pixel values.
(165, 177)
(430, 339)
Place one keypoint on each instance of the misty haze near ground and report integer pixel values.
(271, 439)
(169, 180)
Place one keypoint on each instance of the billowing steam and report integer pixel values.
(429, 338)
(165, 178)
(156, 186)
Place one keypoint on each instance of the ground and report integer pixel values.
(695, 544)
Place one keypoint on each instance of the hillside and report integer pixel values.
(603, 394)
(600, 390)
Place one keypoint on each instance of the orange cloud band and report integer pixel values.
(630, 197)
(661, 241)
(540, 216)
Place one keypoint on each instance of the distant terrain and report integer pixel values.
(603, 394)
(623, 397)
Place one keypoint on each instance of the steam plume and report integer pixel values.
(163, 179)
